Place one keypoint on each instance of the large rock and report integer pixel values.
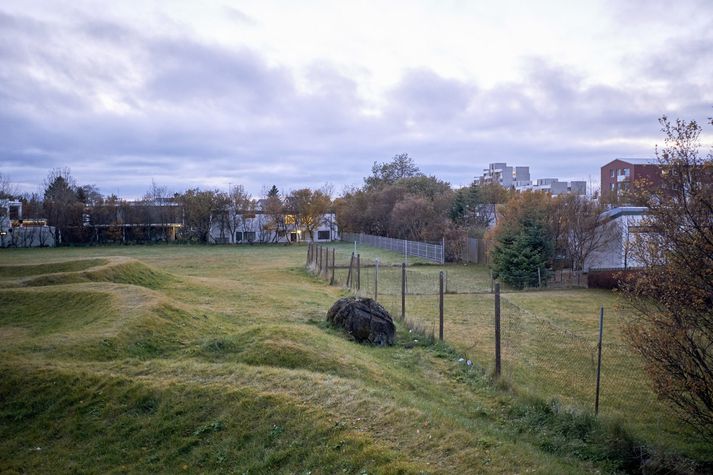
(364, 319)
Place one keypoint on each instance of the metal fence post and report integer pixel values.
(599, 359)
(497, 330)
(403, 290)
(440, 306)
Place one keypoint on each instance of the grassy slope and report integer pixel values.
(216, 359)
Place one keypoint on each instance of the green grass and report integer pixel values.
(19, 270)
(549, 352)
(218, 359)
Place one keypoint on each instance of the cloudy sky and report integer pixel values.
(213, 93)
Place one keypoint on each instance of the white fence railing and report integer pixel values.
(424, 250)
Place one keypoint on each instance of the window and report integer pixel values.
(238, 236)
(611, 186)
(323, 235)
(612, 173)
(626, 172)
(249, 236)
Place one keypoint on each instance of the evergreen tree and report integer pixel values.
(519, 254)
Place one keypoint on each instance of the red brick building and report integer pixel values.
(619, 175)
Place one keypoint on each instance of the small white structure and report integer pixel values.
(260, 227)
(622, 226)
(18, 232)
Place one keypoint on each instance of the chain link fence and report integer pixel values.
(549, 338)
(424, 250)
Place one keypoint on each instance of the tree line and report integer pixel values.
(81, 214)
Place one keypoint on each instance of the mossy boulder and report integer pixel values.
(364, 319)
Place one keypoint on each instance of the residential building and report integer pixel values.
(618, 233)
(519, 178)
(260, 227)
(504, 175)
(620, 175)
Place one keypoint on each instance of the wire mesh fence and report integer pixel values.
(549, 344)
(425, 250)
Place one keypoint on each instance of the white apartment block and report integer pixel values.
(519, 178)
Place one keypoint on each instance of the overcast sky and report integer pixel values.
(303, 93)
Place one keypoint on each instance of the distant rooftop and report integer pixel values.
(614, 213)
(640, 161)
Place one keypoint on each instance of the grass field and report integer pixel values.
(216, 359)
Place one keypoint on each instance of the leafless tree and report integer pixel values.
(673, 295)
(7, 189)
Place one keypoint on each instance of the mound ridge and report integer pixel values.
(116, 269)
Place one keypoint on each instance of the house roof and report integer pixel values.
(624, 211)
(640, 161)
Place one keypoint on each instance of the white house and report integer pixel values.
(622, 226)
(18, 232)
(260, 227)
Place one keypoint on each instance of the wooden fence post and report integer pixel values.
(539, 277)
(440, 306)
(403, 290)
(497, 330)
(349, 274)
(376, 281)
(599, 360)
(358, 273)
(331, 282)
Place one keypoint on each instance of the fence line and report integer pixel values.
(545, 354)
(424, 250)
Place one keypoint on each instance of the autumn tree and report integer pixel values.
(308, 208)
(198, 207)
(673, 295)
(274, 208)
(578, 228)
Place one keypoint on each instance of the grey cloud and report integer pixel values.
(198, 114)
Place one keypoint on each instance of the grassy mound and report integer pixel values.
(131, 272)
(115, 424)
(53, 311)
(15, 271)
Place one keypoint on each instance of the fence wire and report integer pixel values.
(541, 354)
